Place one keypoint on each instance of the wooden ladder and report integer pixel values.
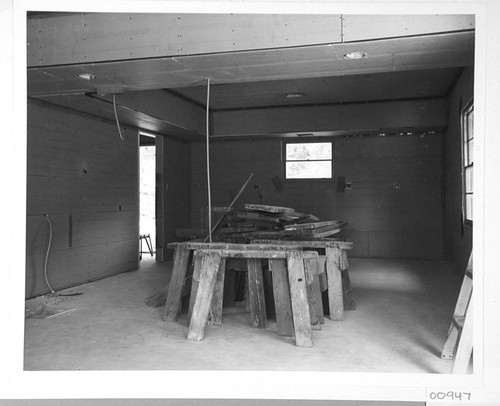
(459, 341)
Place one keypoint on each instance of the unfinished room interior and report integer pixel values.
(310, 192)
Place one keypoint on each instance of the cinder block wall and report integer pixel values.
(86, 179)
(384, 221)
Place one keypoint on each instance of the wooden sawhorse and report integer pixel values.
(337, 265)
(208, 283)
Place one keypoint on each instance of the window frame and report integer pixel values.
(467, 158)
(284, 161)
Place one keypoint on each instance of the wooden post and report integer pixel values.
(172, 304)
(310, 269)
(229, 288)
(256, 293)
(335, 294)
(319, 300)
(346, 282)
(208, 275)
(217, 300)
(282, 301)
(197, 258)
(298, 295)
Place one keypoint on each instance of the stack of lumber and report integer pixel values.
(272, 222)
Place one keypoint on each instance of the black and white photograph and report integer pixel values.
(253, 200)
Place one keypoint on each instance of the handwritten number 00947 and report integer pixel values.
(460, 396)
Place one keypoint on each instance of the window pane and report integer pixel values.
(311, 169)
(470, 125)
(469, 176)
(470, 150)
(308, 151)
(468, 201)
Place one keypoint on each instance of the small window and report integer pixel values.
(468, 140)
(310, 160)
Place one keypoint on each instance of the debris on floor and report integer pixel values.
(45, 307)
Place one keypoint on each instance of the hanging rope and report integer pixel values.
(208, 165)
(116, 118)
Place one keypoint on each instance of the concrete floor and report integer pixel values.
(404, 309)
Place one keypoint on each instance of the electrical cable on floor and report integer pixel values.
(208, 164)
(116, 118)
(46, 260)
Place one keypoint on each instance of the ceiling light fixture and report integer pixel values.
(86, 76)
(294, 95)
(356, 55)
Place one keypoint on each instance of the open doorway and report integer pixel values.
(147, 198)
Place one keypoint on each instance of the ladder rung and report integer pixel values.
(458, 321)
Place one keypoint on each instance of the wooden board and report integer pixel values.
(300, 305)
(268, 209)
(217, 300)
(309, 226)
(203, 301)
(335, 293)
(282, 301)
(256, 294)
(260, 253)
(172, 305)
(256, 216)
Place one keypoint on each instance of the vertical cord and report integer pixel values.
(47, 255)
(116, 118)
(208, 165)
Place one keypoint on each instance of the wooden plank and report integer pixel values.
(346, 282)
(335, 294)
(256, 294)
(256, 216)
(348, 298)
(197, 245)
(259, 254)
(208, 275)
(217, 300)
(229, 287)
(268, 209)
(282, 301)
(317, 232)
(309, 226)
(316, 288)
(305, 243)
(298, 295)
(240, 229)
(181, 258)
(197, 259)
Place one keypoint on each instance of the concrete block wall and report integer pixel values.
(395, 207)
(86, 180)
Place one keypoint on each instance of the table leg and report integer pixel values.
(217, 300)
(256, 293)
(298, 295)
(197, 258)
(208, 275)
(172, 304)
(335, 294)
(282, 301)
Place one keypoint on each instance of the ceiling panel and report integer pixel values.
(426, 52)
(324, 90)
